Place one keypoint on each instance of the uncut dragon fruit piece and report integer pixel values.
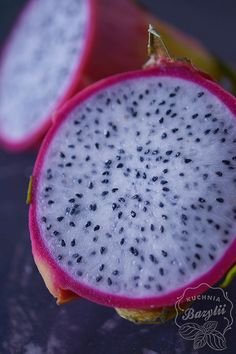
(133, 191)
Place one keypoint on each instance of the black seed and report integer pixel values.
(194, 116)
(99, 278)
(103, 250)
(114, 190)
(220, 200)
(153, 259)
(120, 214)
(197, 256)
(79, 180)
(105, 181)
(79, 259)
(175, 130)
(187, 160)
(93, 207)
(109, 281)
(59, 257)
(133, 214)
(120, 165)
(161, 271)
(152, 227)
(121, 230)
(104, 193)
(72, 243)
(90, 185)
(162, 229)
(101, 267)
(63, 243)
(62, 155)
(115, 272)
(202, 200)
(50, 202)
(60, 218)
(134, 251)
(165, 189)
(122, 241)
(88, 224)
(161, 120)
(72, 224)
(169, 152)
(208, 115)
(154, 179)
(164, 253)
(198, 245)
(200, 94)
(139, 148)
(165, 170)
(194, 265)
(69, 164)
(114, 206)
(121, 200)
(164, 135)
(72, 200)
(161, 205)
(97, 227)
(56, 233)
(147, 286)
(226, 162)
(163, 182)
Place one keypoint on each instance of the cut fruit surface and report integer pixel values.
(134, 188)
(44, 53)
(56, 48)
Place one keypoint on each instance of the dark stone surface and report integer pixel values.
(30, 321)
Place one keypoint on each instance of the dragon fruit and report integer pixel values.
(133, 191)
(48, 58)
(57, 48)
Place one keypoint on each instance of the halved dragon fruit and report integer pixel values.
(56, 48)
(133, 195)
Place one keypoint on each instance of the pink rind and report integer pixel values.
(63, 279)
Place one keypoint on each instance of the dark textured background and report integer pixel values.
(30, 321)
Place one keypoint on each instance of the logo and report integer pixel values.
(204, 319)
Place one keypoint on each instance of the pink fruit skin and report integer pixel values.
(116, 42)
(59, 278)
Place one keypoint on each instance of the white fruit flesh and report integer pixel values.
(137, 191)
(39, 62)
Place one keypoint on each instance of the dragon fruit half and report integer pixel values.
(133, 193)
(57, 47)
